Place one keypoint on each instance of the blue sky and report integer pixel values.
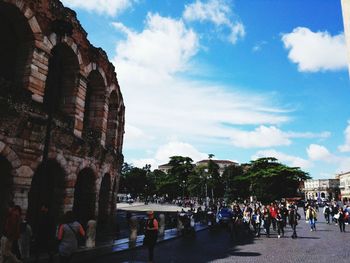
(241, 79)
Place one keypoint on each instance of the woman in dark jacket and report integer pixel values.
(293, 218)
(341, 219)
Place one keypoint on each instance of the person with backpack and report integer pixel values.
(68, 234)
(151, 235)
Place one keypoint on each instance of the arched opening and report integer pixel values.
(16, 44)
(112, 120)
(120, 133)
(6, 183)
(94, 105)
(85, 196)
(61, 84)
(323, 195)
(47, 188)
(104, 198)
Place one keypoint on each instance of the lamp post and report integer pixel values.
(183, 190)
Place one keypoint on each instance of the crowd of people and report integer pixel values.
(19, 241)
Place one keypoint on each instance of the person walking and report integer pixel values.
(293, 218)
(267, 221)
(341, 219)
(68, 234)
(326, 213)
(311, 216)
(151, 234)
(273, 213)
(280, 223)
(256, 221)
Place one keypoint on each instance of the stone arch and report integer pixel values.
(95, 99)
(6, 185)
(55, 40)
(112, 120)
(47, 188)
(17, 29)
(85, 195)
(93, 66)
(62, 80)
(104, 198)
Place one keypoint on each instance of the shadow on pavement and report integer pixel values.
(246, 254)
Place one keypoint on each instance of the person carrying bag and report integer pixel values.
(68, 236)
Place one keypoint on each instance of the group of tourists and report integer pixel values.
(18, 238)
(255, 217)
(337, 214)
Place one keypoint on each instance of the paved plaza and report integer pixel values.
(327, 244)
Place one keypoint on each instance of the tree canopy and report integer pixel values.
(265, 178)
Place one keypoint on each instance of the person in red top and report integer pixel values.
(273, 212)
(151, 234)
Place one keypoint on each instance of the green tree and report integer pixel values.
(236, 183)
(270, 180)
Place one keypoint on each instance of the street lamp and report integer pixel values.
(183, 190)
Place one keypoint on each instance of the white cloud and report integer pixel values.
(261, 137)
(315, 51)
(268, 136)
(290, 160)
(165, 45)
(217, 12)
(319, 153)
(109, 7)
(163, 104)
(346, 146)
(173, 148)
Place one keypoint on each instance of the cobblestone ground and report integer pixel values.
(327, 244)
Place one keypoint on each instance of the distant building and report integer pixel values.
(321, 189)
(344, 179)
(346, 19)
(221, 163)
(165, 168)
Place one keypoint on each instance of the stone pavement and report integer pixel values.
(327, 244)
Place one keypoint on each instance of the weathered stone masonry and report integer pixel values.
(47, 65)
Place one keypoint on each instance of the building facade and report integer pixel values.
(344, 179)
(61, 114)
(346, 19)
(221, 163)
(321, 189)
